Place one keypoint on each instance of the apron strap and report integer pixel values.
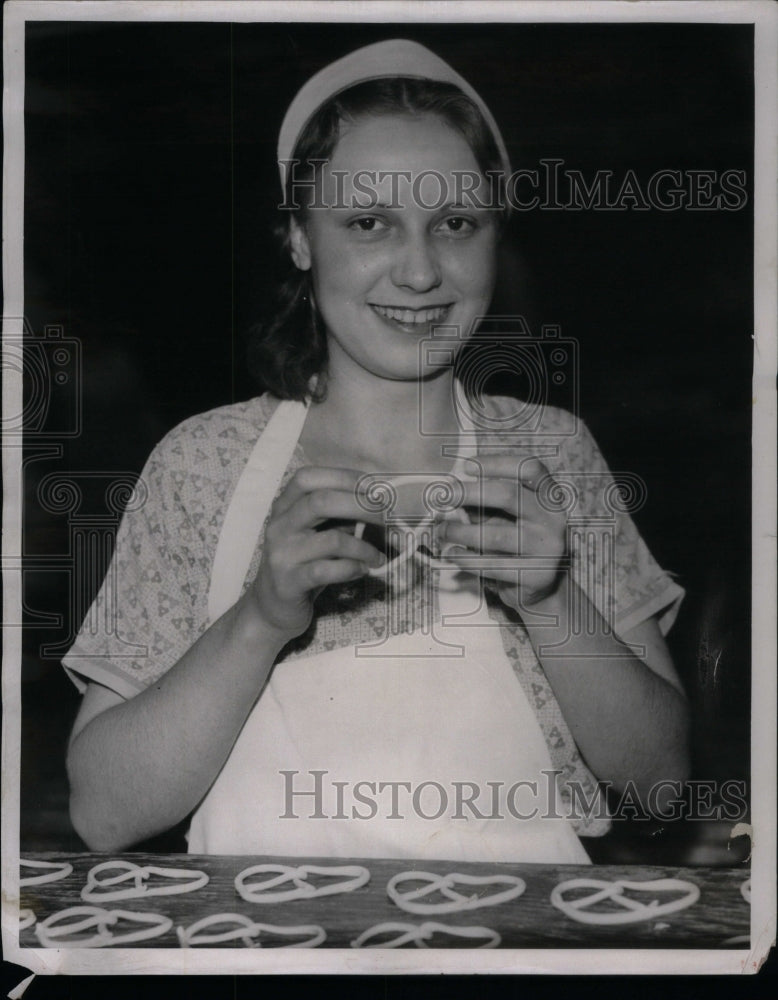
(250, 504)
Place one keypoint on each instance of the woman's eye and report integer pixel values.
(457, 225)
(367, 224)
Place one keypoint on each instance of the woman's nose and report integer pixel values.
(416, 265)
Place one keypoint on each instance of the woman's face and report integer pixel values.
(419, 254)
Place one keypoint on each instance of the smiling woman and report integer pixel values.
(395, 268)
(518, 658)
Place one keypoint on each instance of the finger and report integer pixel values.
(517, 497)
(500, 537)
(315, 477)
(532, 473)
(528, 471)
(312, 509)
(336, 544)
(499, 494)
(324, 572)
(506, 569)
(530, 577)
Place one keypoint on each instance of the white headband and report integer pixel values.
(398, 57)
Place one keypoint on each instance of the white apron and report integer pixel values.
(392, 751)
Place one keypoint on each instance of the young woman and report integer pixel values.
(369, 626)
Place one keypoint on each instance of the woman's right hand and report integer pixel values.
(298, 560)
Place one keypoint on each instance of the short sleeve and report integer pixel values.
(153, 604)
(148, 610)
(609, 560)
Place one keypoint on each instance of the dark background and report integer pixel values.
(150, 186)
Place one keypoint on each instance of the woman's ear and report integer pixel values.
(299, 245)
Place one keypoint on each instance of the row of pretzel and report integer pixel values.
(283, 883)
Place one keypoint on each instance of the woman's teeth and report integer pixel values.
(412, 316)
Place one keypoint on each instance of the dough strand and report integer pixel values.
(354, 877)
(421, 934)
(632, 911)
(98, 889)
(58, 930)
(247, 930)
(52, 871)
(445, 884)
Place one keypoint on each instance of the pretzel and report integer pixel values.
(356, 877)
(445, 885)
(55, 932)
(246, 930)
(738, 941)
(94, 891)
(436, 497)
(420, 934)
(26, 919)
(53, 871)
(632, 911)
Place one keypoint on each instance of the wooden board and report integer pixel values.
(529, 921)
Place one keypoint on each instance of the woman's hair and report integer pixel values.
(289, 348)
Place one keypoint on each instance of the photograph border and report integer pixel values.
(764, 15)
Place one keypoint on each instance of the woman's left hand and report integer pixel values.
(519, 543)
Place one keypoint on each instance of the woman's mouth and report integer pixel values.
(413, 320)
